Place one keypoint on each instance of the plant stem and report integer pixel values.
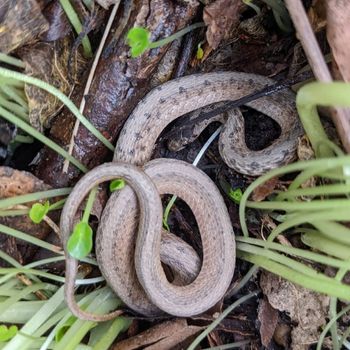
(323, 190)
(215, 323)
(89, 204)
(321, 286)
(303, 206)
(32, 197)
(11, 60)
(36, 134)
(74, 20)
(30, 239)
(175, 36)
(302, 253)
(61, 96)
(327, 163)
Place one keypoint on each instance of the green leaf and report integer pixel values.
(235, 195)
(38, 211)
(7, 333)
(64, 328)
(80, 242)
(116, 184)
(138, 40)
(199, 53)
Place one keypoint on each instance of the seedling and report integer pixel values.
(80, 242)
(138, 39)
(235, 195)
(38, 210)
(116, 184)
(6, 333)
(200, 52)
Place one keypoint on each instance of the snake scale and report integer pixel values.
(129, 243)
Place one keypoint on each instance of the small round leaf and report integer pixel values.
(199, 53)
(7, 333)
(138, 40)
(80, 242)
(38, 211)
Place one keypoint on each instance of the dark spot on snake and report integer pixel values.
(123, 132)
(180, 249)
(285, 153)
(131, 152)
(207, 83)
(159, 88)
(254, 165)
(232, 81)
(143, 148)
(162, 100)
(138, 136)
(182, 90)
(147, 115)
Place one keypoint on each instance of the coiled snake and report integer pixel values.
(128, 242)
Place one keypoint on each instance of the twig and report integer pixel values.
(53, 226)
(89, 81)
(340, 116)
(26, 281)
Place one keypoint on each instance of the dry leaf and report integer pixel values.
(338, 34)
(307, 309)
(21, 22)
(166, 335)
(220, 17)
(264, 190)
(268, 317)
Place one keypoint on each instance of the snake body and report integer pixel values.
(135, 273)
(173, 99)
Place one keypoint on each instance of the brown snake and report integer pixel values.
(147, 290)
